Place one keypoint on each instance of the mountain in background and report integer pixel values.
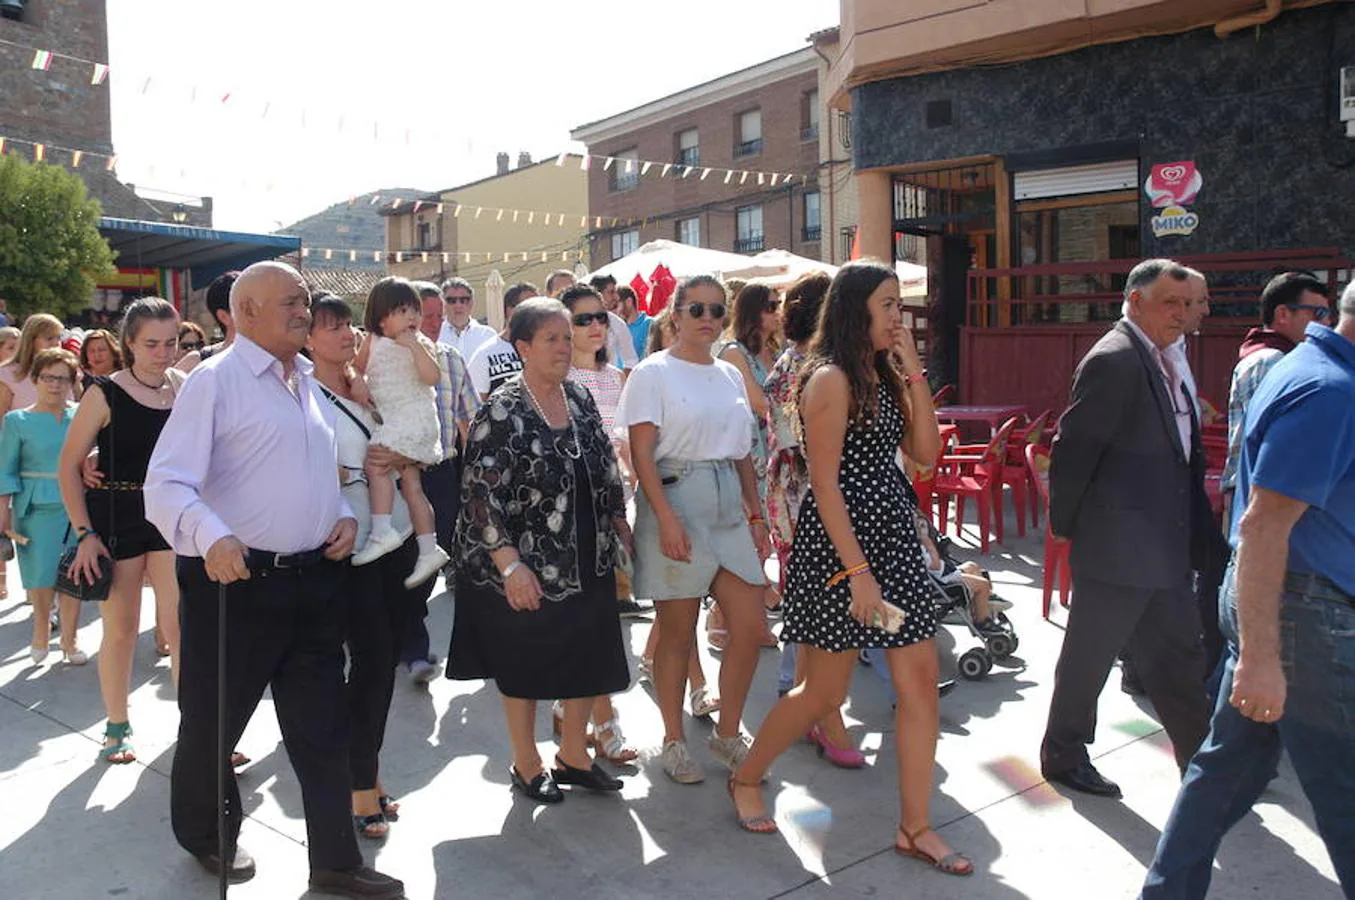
(350, 225)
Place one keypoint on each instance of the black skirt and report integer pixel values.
(568, 648)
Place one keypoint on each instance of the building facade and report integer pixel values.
(764, 119)
(1046, 146)
(522, 222)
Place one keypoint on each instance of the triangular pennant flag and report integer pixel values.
(305, 252)
(597, 223)
(266, 107)
(42, 59)
(583, 221)
(352, 256)
(376, 256)
(39, 152)
(329, 254)
(687, 171)
(531, 217)
(774, 177)
(729, 175)
(439, 209)
(225, 97)
(560, 160)
(543, 256)
(100, 74)
(705, 172)
(759, 178)
(505, 257)
(423, 257)
(417, 205)
(515, 217)
(478, 210)
(445, 257)
(76, 156)
(743, 178)
(524, 256)
(644, 170)
(399, 256)
(608, 164)
(630, 165)
(395, 204)
(666, 167)
(376, 198)
(499, 217)
(583, 162)
(467, 258)
(2, 145)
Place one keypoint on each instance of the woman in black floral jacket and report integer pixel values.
(541, 517)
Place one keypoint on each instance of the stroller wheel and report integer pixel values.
(1002, 645)
(975, 664)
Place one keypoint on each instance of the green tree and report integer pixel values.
(51, 251)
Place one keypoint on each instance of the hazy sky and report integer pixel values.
(428, 92)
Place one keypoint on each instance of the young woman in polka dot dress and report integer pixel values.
(863, 397)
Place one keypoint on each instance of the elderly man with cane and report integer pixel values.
(244, 485)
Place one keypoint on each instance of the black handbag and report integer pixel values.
(65, 583)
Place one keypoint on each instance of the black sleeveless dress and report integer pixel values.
(118, 510)
(882, 512)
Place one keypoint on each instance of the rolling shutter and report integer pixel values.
(1098, 178)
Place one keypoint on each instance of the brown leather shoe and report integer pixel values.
(363, 882)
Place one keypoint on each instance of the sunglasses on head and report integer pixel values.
(583, 320)
(190, 346)
(1320, 313)
(697, 310)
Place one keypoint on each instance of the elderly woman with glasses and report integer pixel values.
(542, 514)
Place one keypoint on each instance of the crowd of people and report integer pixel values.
(588, 460)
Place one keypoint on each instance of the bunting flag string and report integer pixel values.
(630, 164)
(467, 257)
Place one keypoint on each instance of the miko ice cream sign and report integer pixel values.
(1170, 186)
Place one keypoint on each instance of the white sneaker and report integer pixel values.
(730, 752)
(38, 655)
(427, 566)
(998, 604)
(379, 543)
(679, 765)
(76, 657)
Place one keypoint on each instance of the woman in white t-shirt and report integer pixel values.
(699, 526)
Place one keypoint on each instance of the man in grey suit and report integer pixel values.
(1126, 486)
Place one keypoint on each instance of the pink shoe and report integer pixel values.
(842, 757)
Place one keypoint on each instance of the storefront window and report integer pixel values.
(1073, 230)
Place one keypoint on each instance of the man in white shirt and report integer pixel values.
(496, 361)
(460, 330)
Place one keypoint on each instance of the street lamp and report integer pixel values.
(180, 214)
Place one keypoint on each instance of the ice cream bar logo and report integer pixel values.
(1173, 184)
(1175, 220)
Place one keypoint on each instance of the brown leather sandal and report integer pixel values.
(951, 864)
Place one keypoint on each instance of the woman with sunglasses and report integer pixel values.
(699, 527)
(756, 332)
(191, 339)
(590, 370)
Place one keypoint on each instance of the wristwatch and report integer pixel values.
(81, 533)
(509, 569)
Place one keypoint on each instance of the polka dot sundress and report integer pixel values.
(882, 512)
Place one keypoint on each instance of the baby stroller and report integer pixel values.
(953, 603)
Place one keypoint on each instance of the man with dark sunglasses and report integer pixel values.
(1288, 304)
(461, 330)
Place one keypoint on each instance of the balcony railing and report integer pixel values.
(811, 233)
(809, 133)
(689, 156)
(748, 148)
(750, 244)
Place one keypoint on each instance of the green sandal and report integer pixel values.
(120, 732)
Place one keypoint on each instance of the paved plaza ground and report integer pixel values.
(73, 827)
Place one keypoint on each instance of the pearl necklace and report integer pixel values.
(541, 410)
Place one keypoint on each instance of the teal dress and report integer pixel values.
(759, 426)
(30, 444)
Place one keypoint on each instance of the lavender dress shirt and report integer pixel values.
(245, 454)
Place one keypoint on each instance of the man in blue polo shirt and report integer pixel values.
(1293, 573)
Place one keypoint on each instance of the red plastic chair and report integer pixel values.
(1056, 553)
(962, 475)
(943, 396)
(924, 478)
(1034, 433)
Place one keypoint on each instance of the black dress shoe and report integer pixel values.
(364, 882)
(542, 788)
(1086, 779)
(594, 778)
(241, 867)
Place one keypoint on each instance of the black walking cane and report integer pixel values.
(221, 751)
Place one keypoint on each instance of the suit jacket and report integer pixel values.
(1120, 486)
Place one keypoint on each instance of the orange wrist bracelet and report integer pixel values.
(849, 572)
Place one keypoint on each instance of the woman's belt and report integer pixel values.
(37, 474)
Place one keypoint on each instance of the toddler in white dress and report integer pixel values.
(401, 368)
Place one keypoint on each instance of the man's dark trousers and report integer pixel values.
(1164, 640)
(442, 486)
(284, 630)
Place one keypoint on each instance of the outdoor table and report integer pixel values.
(992, 416)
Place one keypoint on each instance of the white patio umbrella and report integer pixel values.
(682, 260)
(780, 268)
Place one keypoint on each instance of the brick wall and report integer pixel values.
(664, 201)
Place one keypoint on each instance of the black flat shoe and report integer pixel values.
(542, 788)
(1085, 779)
(240, 869)
(363, 882)
(594, 778)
